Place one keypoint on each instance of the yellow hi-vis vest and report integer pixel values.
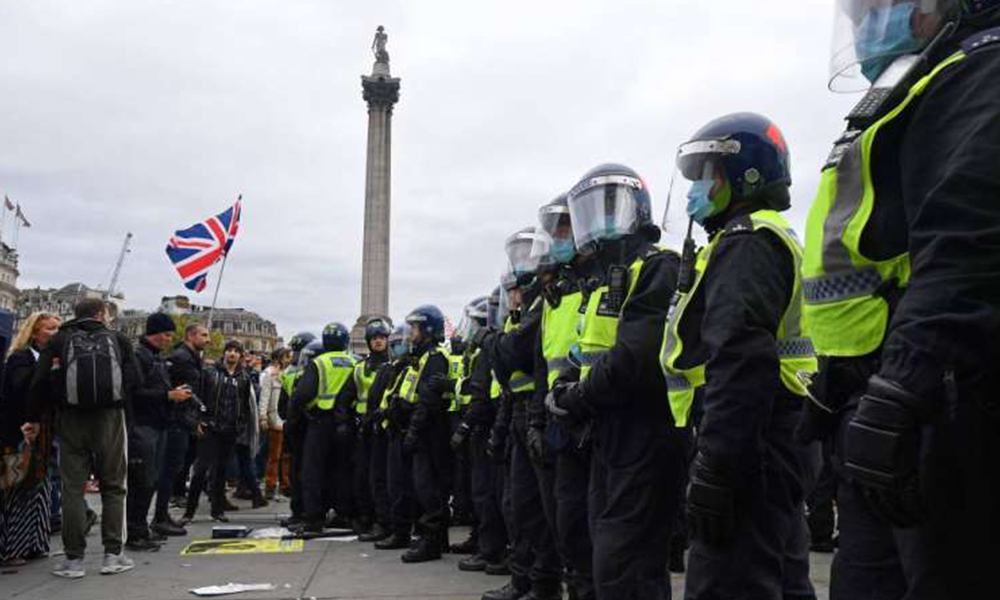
(363, 380)
(408, 390)
(844, 312)
(464, 372)
(289, 377)
(454, 374)
(519, 380)
(559, 333)
(795, 351)
(334, 369)
(392, 388)
(598, 326)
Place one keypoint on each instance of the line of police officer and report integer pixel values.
(615, 399)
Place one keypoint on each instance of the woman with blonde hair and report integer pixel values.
(24, 509)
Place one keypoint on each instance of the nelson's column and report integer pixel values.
(381, 92)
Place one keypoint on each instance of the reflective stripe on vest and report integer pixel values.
(334, 369)
(363, 380)
(844, 314)
(795, 351)
(559, 333)
(408, 391)
(519, 380)
(598, 328)
(465, 372)
(289, 377)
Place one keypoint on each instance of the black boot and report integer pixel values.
(500, 568)
(473, 563)
(428, 549)
(544, 591)
(469, 546)
(507, 592)
(396, 541)
(167, 526)
(377, 534)
(258, 500)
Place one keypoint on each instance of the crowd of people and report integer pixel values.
(616, 410)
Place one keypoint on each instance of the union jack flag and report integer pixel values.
(194, 250)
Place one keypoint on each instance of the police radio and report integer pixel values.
(894, 84)
(617, 286)
(685, 275)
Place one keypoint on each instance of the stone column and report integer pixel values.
(381, 92)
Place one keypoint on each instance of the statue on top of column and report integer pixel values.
(378, 45)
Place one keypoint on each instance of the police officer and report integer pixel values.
(462, 512)
(567, 439)
(358, 421)
(535, 563)
(473, 435)
(399, 474)
(294, 428)
(902, 302)
(637, 460)
(425, 395)
(326, 382)
(374, 424)
(736, 327)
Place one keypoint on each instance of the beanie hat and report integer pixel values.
(159, 323)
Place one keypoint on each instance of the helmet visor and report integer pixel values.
(554, 244)
(698, 189)
(604, 208)
(868, 35)
(518, 249)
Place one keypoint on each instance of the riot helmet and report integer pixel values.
(336, 337)
(609, 202)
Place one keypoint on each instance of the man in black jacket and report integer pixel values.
(90, 372)
(147, 428)
(184, 368)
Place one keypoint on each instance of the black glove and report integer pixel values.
(458, 438)
(440, 384)
(882, 451)
(711, 506)
(566, 400)
(535, 438)
(410, 443)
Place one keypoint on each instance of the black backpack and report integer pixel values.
(93, 365)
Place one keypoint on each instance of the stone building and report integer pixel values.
(60, 301)
(8, 278)
(249, 328)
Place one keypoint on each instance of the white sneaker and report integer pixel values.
(116, 563)
(70, 568)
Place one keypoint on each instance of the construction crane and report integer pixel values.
(118, 266)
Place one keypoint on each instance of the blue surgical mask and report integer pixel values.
(699, 206)
(877, 48)
(563, 251)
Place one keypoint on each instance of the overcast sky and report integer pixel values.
(149, 116)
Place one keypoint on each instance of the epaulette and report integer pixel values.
(741, 224)
(981, 39)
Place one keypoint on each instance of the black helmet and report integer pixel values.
(375, 327)
(522, 265)
(336, 337)
(429, 320)
(311, 351)
(609, 202)
(300, 340)
(746, 150)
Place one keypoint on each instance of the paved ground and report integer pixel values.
(324, 569)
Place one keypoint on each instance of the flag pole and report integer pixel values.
(215, 297)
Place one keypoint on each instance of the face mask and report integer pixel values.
(563, 250)
(699, 206)
(877, 48)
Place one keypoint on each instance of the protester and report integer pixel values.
(278, 459)
(24, 509)
(90, 372)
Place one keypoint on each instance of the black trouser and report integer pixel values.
(636, 467)
(294, 437)
(177, 438)
(146, 446)
(180, 481)
(461, 489)
(821, 519)
(317, 462)
(377, 474)
(402, 497)
(535, 553)
(572, 487)
(769, 556)
(487, 491)
(432, 476)
(214, 453)
(364, 506)
(874, 559)
(342, 465)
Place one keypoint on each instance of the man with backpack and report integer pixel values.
(90, 372)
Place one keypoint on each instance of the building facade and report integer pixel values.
(8, 278)
(60, 301)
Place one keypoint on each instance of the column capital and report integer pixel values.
(380, 91)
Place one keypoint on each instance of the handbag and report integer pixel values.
(15, 466)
